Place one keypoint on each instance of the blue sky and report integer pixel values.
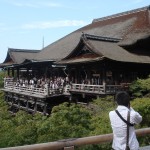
(24, 23)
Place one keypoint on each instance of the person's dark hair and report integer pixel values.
(122, 98)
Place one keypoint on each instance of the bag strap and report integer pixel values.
(126, 121)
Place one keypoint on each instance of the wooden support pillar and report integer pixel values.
(78, 74)
(104, 76)
(18, 73)
(83, 95)
(44, 110)
(12, 100)
(12, 72)
(48, 89)
(35, 106)
(18, 101)
(104, 87)
(88, 76)
(70, 97)
(28, 74)
(27, 106)
(8, 71)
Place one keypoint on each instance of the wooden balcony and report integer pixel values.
(44, 92)
(96, 89)
(9, 86)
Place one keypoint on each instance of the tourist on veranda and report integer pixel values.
(119, 127)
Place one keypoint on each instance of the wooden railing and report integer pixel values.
(113, 88)
(88, 88)
(70, 144)
(45, 91)
(78, 88)
(96, 89)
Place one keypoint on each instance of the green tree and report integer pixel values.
(142, 105)
(2, 75)
(140, 87)
(66, 121)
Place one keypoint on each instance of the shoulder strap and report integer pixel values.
(128, 119)
(128, 123)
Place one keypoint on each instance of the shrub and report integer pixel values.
(140, 87)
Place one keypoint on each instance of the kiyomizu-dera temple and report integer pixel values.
(98, 59)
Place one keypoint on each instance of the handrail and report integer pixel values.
(79, 88)
(46, 91)
(96, 89)
(74, 142)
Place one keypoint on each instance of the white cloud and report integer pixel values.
(54, 24)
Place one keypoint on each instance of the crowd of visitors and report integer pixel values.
(52, 82)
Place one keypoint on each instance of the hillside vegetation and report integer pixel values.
(68, 121)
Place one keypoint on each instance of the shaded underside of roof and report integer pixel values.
(80, 60)
(2, 65)
(129, 27)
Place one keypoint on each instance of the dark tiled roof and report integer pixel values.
(129, 26)
(17, 56)
(114, 52)
(103, 49)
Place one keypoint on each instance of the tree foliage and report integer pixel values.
(69, 120)
(140, 87)
(2, 75)
(142, 105)
(66, 121)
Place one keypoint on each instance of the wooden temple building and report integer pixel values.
(98, 59)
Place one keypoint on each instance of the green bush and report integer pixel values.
(142, 105)
(140, 87)
(2, 75)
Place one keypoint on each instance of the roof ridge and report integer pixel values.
(22, 50)
(122, 14)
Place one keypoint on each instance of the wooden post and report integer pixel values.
(44, 110)
(47, 88)
(70, 97)
(104, 76)
(28, 74)
(27, 106)
(18, 73)
(12, 100)
(83, 95)
(8, 72)
(104, 87)
(18, 101)
(12, 72)
(35, 106)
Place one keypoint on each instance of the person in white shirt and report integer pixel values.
(119, 127)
